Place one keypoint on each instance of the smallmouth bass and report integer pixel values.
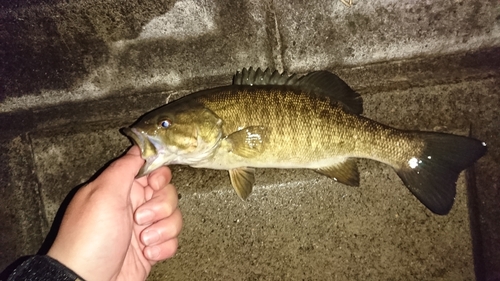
(270, 120)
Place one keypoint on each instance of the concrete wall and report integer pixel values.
(72, 73)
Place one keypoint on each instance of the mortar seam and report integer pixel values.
(44, 223)
(278, 49)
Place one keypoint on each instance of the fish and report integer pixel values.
(268, 119)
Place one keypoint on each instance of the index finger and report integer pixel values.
(159, 178)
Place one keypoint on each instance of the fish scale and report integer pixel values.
(297, 118)
(272, 120)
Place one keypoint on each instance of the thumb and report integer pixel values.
(121, 172)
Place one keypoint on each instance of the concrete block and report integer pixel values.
(186, 43)
(21, 208)
(473, 104)
(325, 33)
(448, 69)
(68, 158)
(301, 226)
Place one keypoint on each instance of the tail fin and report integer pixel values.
(432, 177)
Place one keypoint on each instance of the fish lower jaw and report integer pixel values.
(154, 162)
(166, 158)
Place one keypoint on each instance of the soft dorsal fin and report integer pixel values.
(318, 82)
(329, 84)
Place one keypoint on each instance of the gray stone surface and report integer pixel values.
(325, 33)
(70, 158)
(73, 73)
(188, 44)
(78, 51)
(298, 225)
(21, 206)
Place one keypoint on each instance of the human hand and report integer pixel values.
(117, 227)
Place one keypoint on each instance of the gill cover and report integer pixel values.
(193, 131)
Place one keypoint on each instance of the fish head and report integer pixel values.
(175, 135)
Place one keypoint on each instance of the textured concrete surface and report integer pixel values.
(80, 51)
(21, 209)
(380, 30)
(73, 73)
(218, 37)
(311, 228)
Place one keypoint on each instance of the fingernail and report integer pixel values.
(161, 181)
(150, 236)
(144, 216)
(153, 252)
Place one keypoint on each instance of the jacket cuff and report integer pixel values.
(43, 268)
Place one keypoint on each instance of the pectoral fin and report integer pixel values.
(242, 180)
(345, 172)
(248, 142)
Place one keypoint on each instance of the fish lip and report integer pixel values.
(150, 149)
(136, 137)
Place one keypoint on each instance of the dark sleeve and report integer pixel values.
(43, 268)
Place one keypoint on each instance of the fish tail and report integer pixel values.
(432, 176)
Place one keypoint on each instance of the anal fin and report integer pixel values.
(242, 180)
(345, 172)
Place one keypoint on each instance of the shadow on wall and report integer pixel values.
(50, 44)
(59, 47)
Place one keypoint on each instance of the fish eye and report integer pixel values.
(165, 123)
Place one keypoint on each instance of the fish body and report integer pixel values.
(272, 120)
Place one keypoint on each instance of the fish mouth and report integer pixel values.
(149, 151)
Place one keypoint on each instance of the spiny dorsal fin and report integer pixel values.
(318, 82)
(253, 77)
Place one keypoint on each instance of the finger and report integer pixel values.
(161, 205)
(154, 181)
(163, 230)
(122, 171)
(161, 252)
(159, 178)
